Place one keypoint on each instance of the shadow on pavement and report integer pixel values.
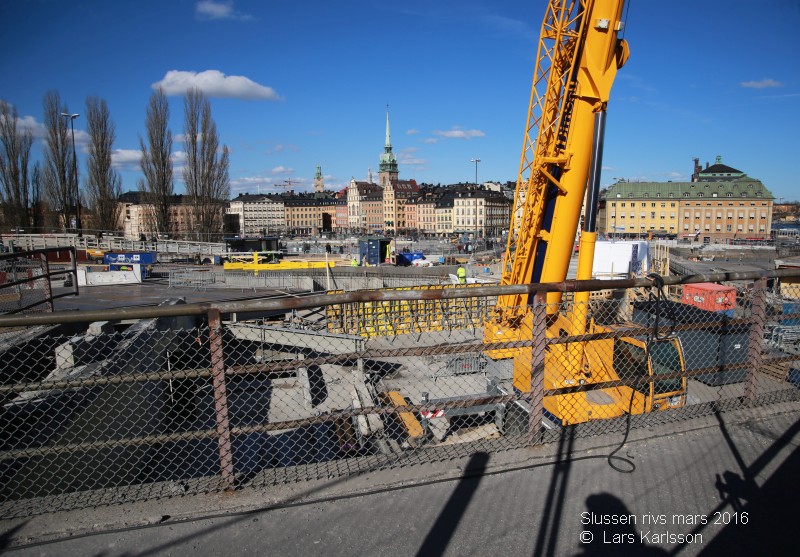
(442, 531)
(760, 521)
(556, 495)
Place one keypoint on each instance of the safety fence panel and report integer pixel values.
(27, 279)
(171, 406)
(400, 317)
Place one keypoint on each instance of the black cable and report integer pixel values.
(657, 299)
(611, 457)
(660, 296)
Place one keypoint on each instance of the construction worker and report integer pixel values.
(354, 262)
(461, 273)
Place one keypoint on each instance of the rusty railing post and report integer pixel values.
(73, 263)
(758, 317)
(48, 290)
(220, 398)
(539, 337)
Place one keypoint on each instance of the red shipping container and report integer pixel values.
(710, 296)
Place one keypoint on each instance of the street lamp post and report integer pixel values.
(75, 174)
(476, 160)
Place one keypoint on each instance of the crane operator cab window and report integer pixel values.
(630, 362)
(665, 359)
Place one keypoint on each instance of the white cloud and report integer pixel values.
(407, 157)
(130, 160)
(412, 132)
(282, 170)
(36, 128)
(458, 133)
(215, 84)
(762, 84)
(208, 9)
(431, 140)
(178, 162)
(126, 159)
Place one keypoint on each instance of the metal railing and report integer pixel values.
(32, 242)
(159, 401)
(26, 279)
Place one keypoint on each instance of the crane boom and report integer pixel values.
(578, 56)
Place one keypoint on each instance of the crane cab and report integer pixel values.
(645, 377)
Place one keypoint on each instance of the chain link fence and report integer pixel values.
(183, 400)
(26, 279)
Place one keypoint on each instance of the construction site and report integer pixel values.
(102, 404)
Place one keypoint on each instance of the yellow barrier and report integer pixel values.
(283, 265)
(397, 317)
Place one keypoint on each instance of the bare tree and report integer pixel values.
(58, 176)
(41, 216)
(157, 186)
(103, 183)
(15, 150)
(206, 172)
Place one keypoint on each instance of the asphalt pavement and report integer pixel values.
(724, 484)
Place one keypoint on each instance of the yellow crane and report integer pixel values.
(579, 53)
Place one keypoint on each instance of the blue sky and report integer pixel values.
(294, 84)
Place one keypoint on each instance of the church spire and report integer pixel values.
(388, 134)
(388, 166)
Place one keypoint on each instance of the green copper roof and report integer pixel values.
(740, 188)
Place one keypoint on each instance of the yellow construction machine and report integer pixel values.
(580, 50)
